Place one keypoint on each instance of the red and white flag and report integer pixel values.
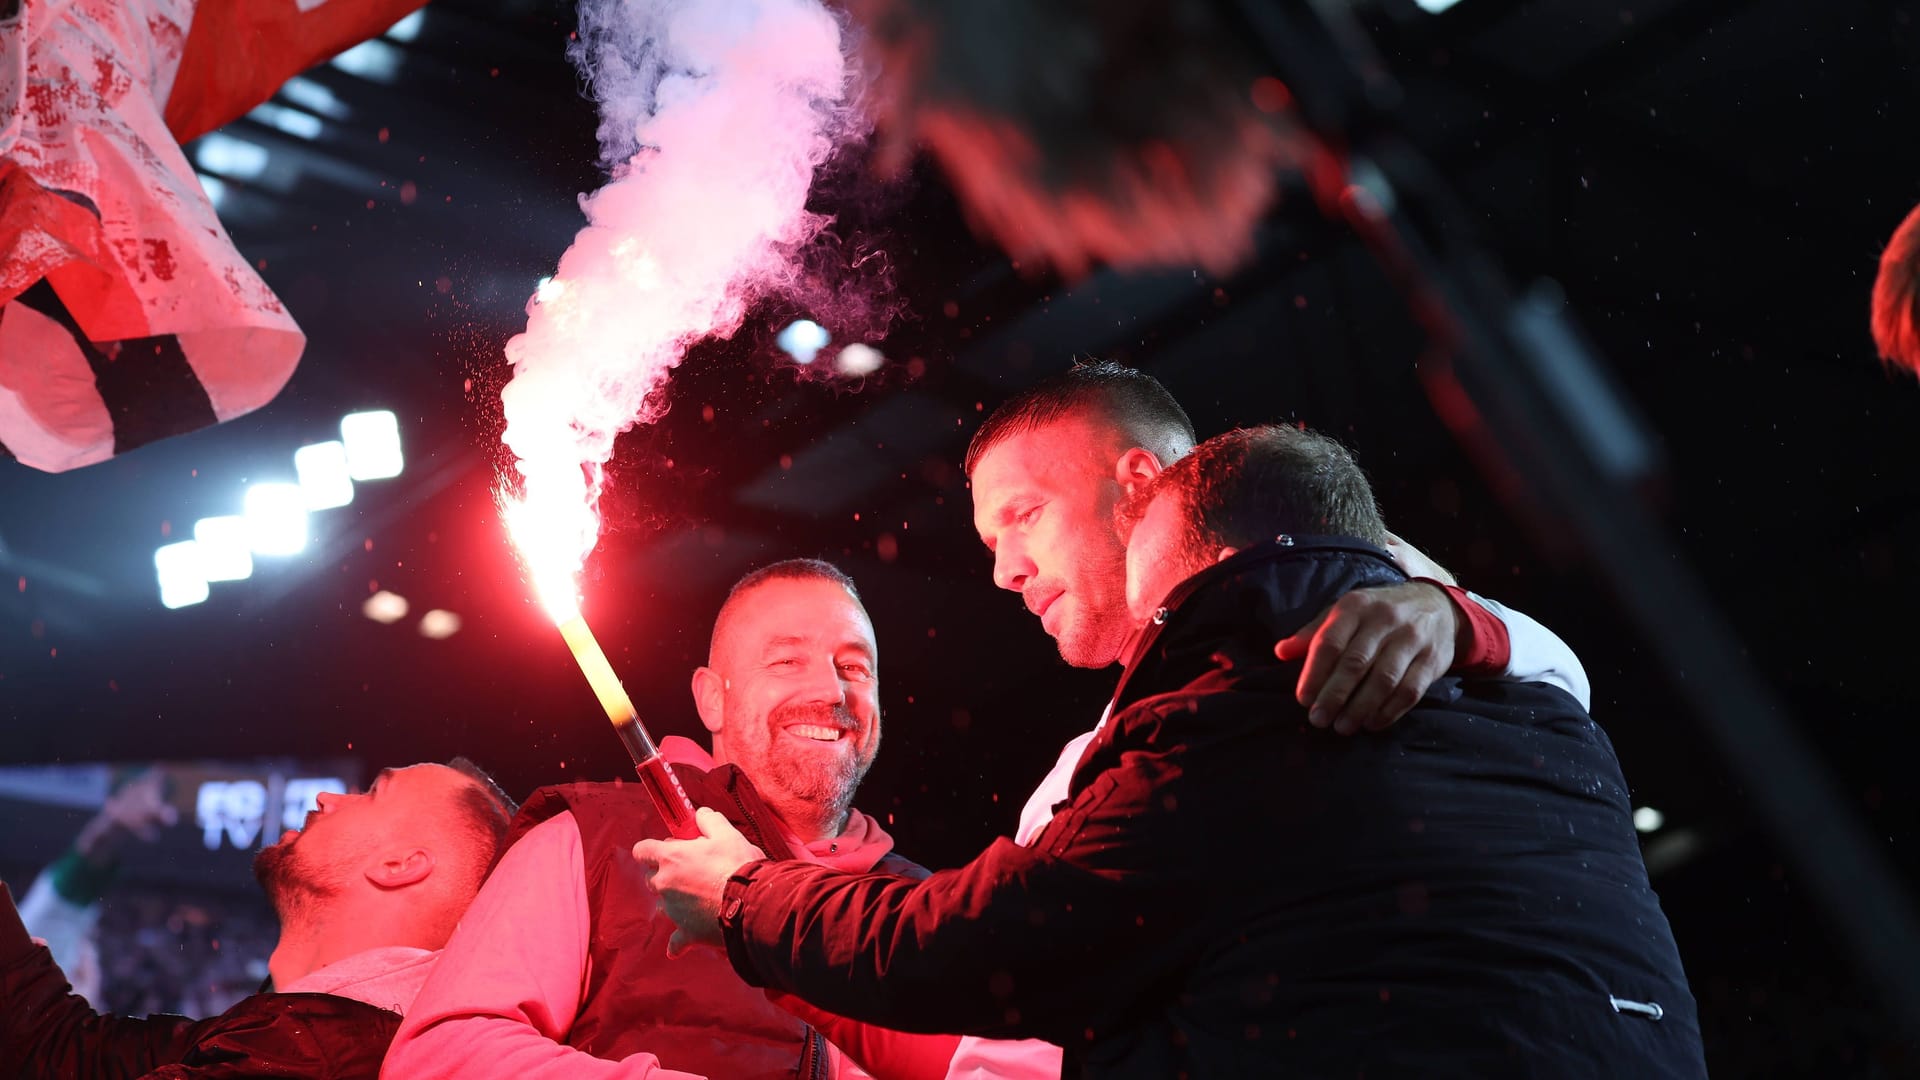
(126, 313)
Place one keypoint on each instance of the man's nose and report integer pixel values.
(826, 684)
(1011, 568)
(326, 797)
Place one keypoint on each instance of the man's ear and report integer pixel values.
(710, 697)
(1135, 469)
(398, 869)
(1225, 554)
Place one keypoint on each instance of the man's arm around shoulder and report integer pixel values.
(1021, 942)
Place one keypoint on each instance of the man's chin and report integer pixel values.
(278, 872)
(1084, 650)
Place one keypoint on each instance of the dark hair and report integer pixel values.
(1253, 484)
(1131, 400)
(486, 812)
(791, 570)
(784, 570)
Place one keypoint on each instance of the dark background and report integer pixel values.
(1710, 181)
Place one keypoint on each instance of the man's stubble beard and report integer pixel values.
(1103, 632)
(291, 887)
(823, 794)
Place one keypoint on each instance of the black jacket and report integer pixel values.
(1230, 892)
(47, 1031)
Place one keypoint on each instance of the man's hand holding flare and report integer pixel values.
(690, 877)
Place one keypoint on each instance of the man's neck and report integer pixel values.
(296, 954)
(810, 825)
(310, 941)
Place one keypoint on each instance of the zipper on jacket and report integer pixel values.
(753, 830)
(813, 1056)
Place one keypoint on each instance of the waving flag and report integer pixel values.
(126, 314)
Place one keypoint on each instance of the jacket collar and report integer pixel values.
(1255, 598)
(858, 847)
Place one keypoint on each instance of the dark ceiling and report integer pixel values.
(1709, 180)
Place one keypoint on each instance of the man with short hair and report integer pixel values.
(366, 893)
(1049, 467)
(1227, 890)
(560, 969)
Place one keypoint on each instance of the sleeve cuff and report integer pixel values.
(733, 917)
(1487, 648)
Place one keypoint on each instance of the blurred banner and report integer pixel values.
(227, 812)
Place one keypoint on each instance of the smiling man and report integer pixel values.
(561, 968)
(366, 893)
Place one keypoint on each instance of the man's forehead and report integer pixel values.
(416, 777)
(1016, 465)
(1059, 456)
(799, 611)
(850, 635)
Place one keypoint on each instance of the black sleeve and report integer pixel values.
(274, 1036)
(1043, 942)
(46, 1030)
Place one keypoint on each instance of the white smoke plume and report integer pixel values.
(715, 115)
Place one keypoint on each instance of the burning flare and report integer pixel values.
(715, 115)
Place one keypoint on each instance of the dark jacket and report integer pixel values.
(1230, 892)
(47, 1031)
(691, 1013)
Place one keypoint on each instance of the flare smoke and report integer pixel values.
(715, 115)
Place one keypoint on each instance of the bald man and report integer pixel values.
(560, 969)
(366, 893)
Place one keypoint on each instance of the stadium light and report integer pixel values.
(439, 625)
(803, 339)
(230, 158)
(325, 480)
(374, 60)
(372, 442)
(858, 360)
(178, 567)
(225, 548)
(385, 607)
(407, 28)
(314, 97)
(276, 518)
